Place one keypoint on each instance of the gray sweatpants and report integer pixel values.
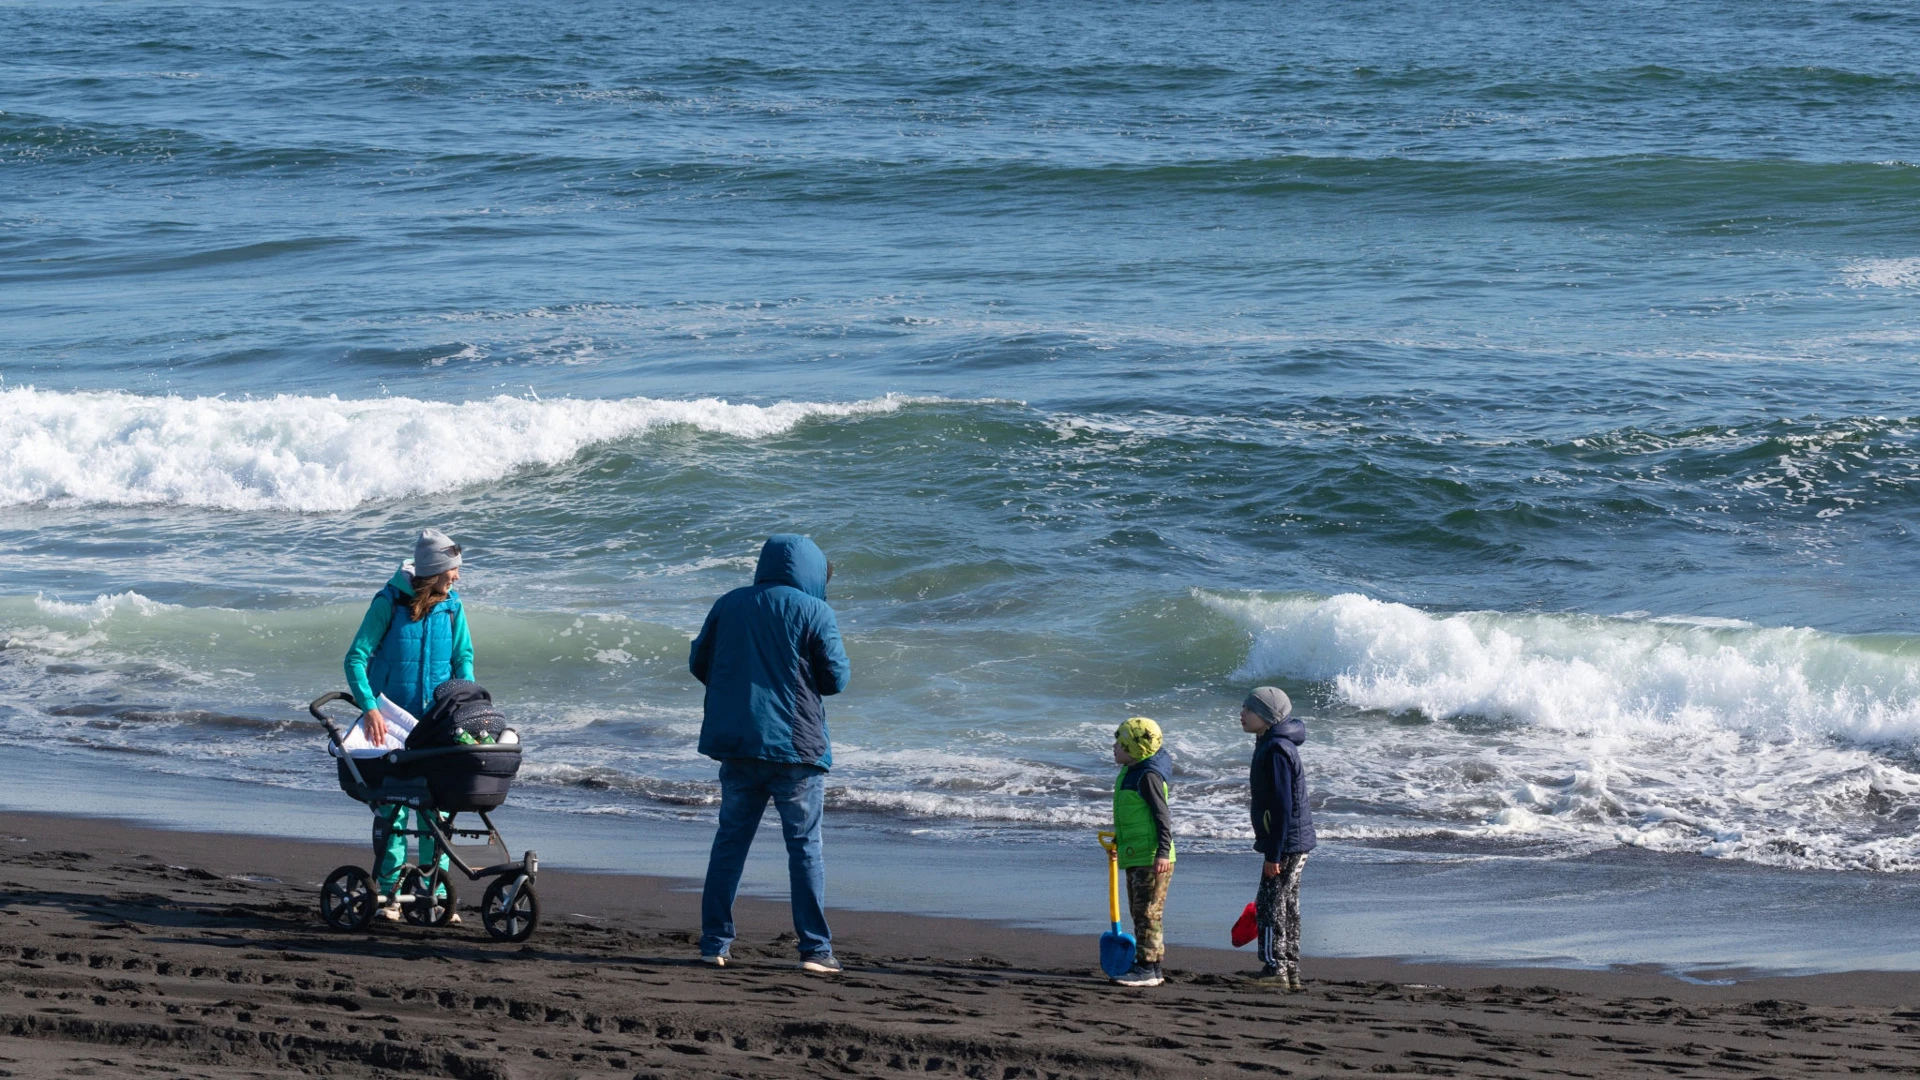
(1276, 911)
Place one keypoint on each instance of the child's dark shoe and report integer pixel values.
(1142, 975)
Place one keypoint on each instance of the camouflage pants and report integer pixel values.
(1147, 899)
(1276, 911)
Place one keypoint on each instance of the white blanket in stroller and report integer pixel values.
(399, 724)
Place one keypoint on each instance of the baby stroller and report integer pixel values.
(450, 780)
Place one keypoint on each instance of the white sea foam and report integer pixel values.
(1587, 674)
(315, 454)
(102, 607)
(1785, 746)
(1882, 273)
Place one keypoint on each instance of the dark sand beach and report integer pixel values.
(138, 952)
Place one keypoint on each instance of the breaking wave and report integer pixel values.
(1785, 746)
(312, 454)
(1586, 674)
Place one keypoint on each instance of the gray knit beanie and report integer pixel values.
(434, 553)
(1269, 703)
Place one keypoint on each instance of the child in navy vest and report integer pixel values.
(1282, 828)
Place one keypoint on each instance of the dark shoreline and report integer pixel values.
(669, 903)
(1623, 910)
(200, 954)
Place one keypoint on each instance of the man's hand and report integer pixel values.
(375, 726)
(1163, 866)
(1271, 869)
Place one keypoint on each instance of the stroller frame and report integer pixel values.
(350, 897)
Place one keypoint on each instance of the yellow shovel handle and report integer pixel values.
(1107, 841)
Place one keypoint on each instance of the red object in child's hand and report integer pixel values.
(1245, 930)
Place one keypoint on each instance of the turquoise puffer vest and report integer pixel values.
(414, 657)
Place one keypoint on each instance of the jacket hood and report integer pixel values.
(793, 560)
(402, 578)
(1159, 763)
(1291, 729)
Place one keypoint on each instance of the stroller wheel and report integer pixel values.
(429, 907)
(348, 899)
(510, 908)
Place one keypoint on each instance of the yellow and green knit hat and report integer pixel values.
(1139, 737)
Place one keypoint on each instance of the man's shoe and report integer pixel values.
(715, 959)
(1142, 975)
(820, 964)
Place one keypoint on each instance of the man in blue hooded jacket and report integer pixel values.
(768, 653)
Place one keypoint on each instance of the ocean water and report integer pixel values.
(1533, 391)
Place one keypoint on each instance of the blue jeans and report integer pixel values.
(798, 793)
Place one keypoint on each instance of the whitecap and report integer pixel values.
(1785, 746)
(297, 453)
(1586, 674)
(1901, 273)
(102, 607)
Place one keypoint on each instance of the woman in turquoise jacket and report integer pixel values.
(413, 638)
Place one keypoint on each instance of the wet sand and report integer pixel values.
(138, 952)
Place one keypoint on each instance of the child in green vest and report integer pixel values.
(1143, 833)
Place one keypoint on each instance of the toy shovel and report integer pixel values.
(1116, 948)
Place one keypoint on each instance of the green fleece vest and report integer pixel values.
(1133, 830)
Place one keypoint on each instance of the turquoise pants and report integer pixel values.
(390, 847)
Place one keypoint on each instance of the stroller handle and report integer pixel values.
(333, 730)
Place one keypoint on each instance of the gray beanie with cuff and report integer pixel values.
(434, 553)
(1269, 703)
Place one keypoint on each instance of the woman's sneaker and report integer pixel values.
(820, 964)
(1142, 975)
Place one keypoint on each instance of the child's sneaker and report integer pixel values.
(1142, 975)
(1294, 985)
(820, 964)
(389, 911)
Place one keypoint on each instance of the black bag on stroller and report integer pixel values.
(458, 705)
(460, 781)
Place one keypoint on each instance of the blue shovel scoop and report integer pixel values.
(1116, 948)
